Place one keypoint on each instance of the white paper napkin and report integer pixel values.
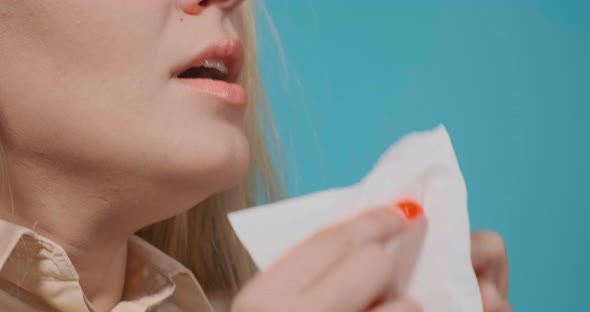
(434, 265)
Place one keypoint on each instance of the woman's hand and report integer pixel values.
(490, 262)
(344, 268)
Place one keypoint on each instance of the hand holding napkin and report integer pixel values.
(434, 265)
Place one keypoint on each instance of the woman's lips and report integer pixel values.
(230, 93)
(230, 52)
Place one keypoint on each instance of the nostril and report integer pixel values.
(193, 6)
(197, 6)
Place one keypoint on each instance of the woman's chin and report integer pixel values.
(208, 171)
(225, 173)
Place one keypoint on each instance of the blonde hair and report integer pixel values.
(202, 238)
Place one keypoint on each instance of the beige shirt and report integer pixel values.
(37, 275)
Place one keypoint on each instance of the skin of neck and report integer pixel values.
(92, 215)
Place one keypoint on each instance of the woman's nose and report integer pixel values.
(197, 6)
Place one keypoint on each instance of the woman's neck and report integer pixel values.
(95, 247)
(91, 218)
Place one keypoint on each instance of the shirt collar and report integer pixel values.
(41, 268)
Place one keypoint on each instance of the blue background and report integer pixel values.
(508, 78)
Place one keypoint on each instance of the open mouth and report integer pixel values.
(215, 71)
(221, 61)
(210, 69)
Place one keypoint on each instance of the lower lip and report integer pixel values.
(230, 93)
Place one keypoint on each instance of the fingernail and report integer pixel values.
(410, 209)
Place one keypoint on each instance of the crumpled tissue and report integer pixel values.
(434, 266)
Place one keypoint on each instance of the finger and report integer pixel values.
(490, 260)
(306, 263)
(493, 300)
(399, 305)
(355, 283)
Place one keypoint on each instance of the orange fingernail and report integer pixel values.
(410, 209)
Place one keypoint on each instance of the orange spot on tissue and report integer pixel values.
(410, 209)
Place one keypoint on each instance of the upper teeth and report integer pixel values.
(216, 64)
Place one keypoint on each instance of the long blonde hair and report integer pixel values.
(202, 238)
